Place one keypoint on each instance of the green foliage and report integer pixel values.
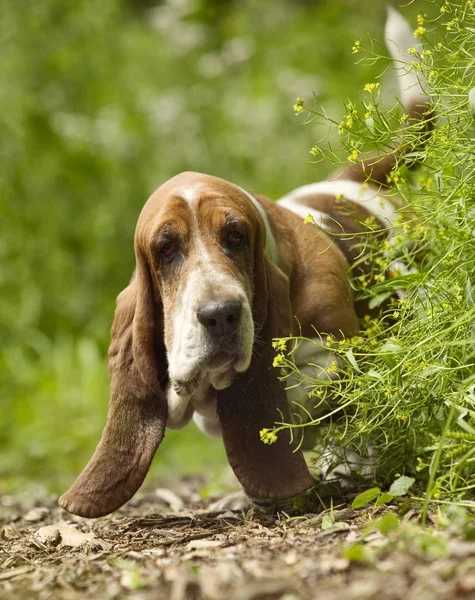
(356, 553)
(99, 106)
(388, 524)
(366, 497)
(406, 395)
(399, 487)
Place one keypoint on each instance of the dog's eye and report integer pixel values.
(235, 238)
(169, 250)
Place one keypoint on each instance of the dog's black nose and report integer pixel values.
(220, 317)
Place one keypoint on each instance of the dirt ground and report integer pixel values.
(166, 544)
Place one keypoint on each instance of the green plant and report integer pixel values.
(405, 399)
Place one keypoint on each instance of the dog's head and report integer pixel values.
(203, 241)
(203, 288)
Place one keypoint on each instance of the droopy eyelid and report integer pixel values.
(236, 223)
(165, 235)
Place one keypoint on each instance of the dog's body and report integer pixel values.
(220, 273)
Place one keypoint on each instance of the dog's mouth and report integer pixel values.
(218, 366)
(220, 361)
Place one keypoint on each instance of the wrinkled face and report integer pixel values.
(201, 249)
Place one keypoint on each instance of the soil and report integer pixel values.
(167, 544)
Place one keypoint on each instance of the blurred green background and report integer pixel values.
(99, 104)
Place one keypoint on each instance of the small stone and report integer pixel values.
(36, 514)
(465, 584)
(65, 534)
(170, 498)
(202, 544)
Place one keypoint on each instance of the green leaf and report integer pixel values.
(378, 300)
(385, 498)
(375, 375)
(356, 553)
(327, 522)
(391, 346)
(434, 545)
(400, 282)
(471, 101)
(401, 486)
(352, 360)
(341, 525)
(366, 497)
(388, 523)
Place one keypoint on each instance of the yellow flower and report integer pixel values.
(267, 436)
(279, 344)
(370, 87)
(279, 360)
(308, 219)
(356, 47)
(412, 51)
(404, 118)
(353, 155)
(419, 32)
(420, 19)
(314, 151)
(298, 106)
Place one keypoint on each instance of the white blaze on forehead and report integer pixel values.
(361, 193)
(190, 344)
(190, 193)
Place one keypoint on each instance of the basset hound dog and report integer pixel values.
(221, 272)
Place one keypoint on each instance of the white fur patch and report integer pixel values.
(314, 360)
(399, 38)
(271, 245)
(303, 211)
(365, 195)
(201, 406)
(179, 412)
(209, 426)
(190, 194)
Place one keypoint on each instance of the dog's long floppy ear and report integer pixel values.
(137, 410)
(257, 399)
